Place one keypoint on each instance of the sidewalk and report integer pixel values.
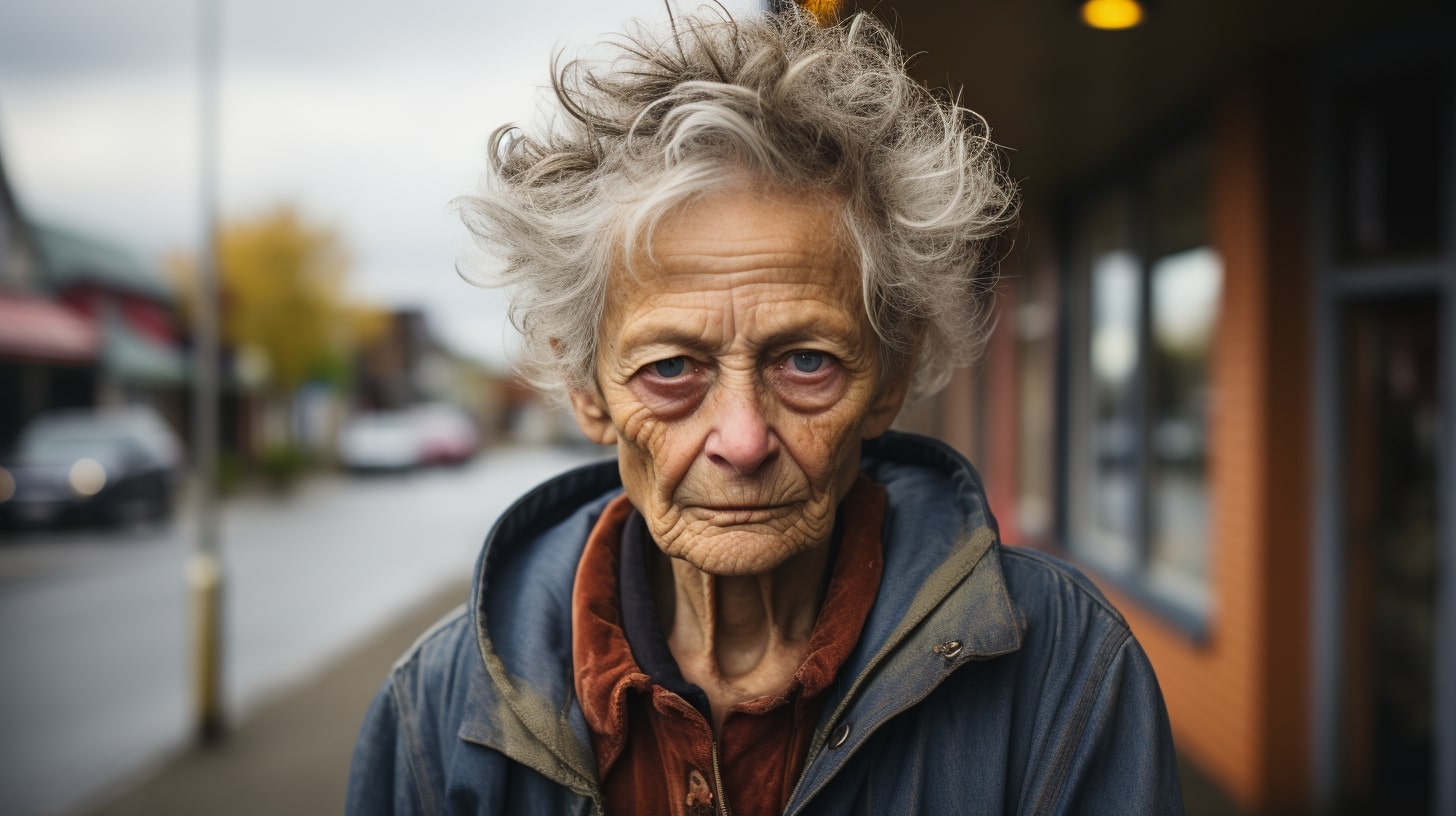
(291, 756)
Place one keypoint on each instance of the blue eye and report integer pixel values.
(670, 367)
(808, 361)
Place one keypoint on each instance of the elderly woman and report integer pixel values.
(738, 251)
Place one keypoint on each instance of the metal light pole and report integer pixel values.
(205, 570)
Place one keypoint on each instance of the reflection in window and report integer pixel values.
(1185, 298)
(1036, 336)
(1114, 359)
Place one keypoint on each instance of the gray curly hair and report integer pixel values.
(695, 108)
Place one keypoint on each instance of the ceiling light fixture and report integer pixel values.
(1112, 15)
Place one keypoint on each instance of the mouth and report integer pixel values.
(744, 513)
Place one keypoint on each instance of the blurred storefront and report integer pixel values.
(48, 359)
(1223, 375)
(133, 308)
(49, 353)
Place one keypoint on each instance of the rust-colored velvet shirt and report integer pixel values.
(651, 729)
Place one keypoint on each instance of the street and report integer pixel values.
(95, 626)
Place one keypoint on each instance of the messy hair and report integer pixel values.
(707, 102)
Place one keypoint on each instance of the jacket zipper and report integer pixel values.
(718, 782)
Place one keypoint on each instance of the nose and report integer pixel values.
(741, 439)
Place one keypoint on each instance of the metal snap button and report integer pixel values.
(840, 736)
(948, 649)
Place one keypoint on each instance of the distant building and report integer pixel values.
(407, 364)
(396, 367)
(17, 247)
(133, 307)
(49, 354)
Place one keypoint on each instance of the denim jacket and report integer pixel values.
(987, 679)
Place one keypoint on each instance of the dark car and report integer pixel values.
(108, 466)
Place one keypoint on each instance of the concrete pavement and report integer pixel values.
(291, 755)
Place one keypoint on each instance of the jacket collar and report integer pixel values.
(943, 602)
(522, 616)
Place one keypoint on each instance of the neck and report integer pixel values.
(740, 637)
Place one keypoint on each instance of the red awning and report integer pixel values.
(34, 329)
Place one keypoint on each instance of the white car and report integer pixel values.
(388, 440)
(447, 434)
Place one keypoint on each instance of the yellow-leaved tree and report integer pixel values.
(281, 285)
(283, 307)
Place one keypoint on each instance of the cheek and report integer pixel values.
(635, 424)
(823, 446)
(654, 454)
(828, 443)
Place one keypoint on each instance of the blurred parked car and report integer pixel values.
(429, 434)
(109, 465)
(447, 435)
(383, 441)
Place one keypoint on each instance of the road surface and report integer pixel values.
(94, 625)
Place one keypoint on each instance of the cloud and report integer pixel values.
(114, 154)
(60, 40)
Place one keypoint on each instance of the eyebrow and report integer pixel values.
(666, 337)
(693, 341)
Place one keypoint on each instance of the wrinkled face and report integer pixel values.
(738, 374)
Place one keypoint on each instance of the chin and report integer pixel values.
(739, 553)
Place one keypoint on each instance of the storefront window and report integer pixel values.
(1146, 288)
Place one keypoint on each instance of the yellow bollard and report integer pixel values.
(204, 576)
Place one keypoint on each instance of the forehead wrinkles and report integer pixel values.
(742, 318)
(703, 260)
(739, 231)
(735, 259)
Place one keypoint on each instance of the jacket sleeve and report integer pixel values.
(380, 777)
(1117, 752)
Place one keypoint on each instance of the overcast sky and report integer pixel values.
(369, 115)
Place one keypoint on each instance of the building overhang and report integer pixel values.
(36, 330)
(1066, 101)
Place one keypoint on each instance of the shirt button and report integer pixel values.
(840, 736)
(699, 794)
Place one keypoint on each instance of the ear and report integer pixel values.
(888, 402)
(592, 417)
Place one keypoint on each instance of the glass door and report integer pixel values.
(1392, 437)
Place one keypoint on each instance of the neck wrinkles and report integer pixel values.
(737, 627)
